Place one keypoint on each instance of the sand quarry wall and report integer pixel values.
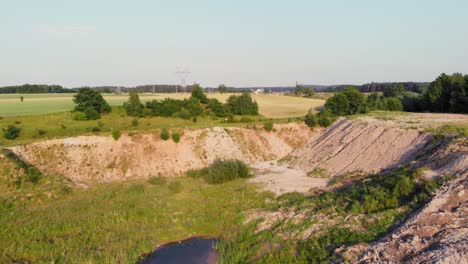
(350, 146)
(346, 146)
(101, 158)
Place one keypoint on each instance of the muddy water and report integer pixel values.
(195, 250)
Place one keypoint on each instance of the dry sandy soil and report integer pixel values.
(280, 178)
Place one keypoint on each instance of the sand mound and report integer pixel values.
(349, 146)
(101, 158)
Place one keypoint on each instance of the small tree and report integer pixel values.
(299, 89)
(197, 92)
(393, 104)
(356, 99)
(88, 98)
(309, 92)
(21, 98)
(338, 104)
(11, 132)
(133, 107)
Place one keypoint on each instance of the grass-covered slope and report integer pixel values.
(51, 221)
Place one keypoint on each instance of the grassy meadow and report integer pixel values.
(53, 222)
(271, 106)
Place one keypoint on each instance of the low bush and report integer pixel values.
(176, 137)
(91, 113)
(135, 122)
(268, 126)
(310, 120)
(79, 116)
(226, 170)
(41, 132)
(11, 132)
(95, 129)
(164, 134)
(116, 135)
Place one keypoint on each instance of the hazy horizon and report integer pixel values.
(236, 43)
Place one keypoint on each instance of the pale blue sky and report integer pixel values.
(239, 43)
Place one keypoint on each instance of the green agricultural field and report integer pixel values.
(272, 106)
(53, 222)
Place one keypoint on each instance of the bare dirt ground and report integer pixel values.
(280, 178)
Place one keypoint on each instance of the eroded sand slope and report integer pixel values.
(349, 146)
(101, 158)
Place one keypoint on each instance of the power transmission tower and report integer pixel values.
(183, 75)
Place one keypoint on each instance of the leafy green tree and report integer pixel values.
(338, 104)
(91, 113)
(310, 120)
(299, 90)
(242, 105)
(218, 109)
(222, 88)
(197, 92)
(356, 99)
(394, 90)
(193, 106)
(325, 118)
(448, 93)
(393, 104)
(133, 107)
(309, 92)
(375, 102)
(87, 97)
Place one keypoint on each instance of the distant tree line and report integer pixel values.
(34, 88)
(197, 105)
(416, 87)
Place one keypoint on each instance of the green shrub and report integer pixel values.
(116, 135)
(393, 104)
(164, 134)
(175, 187)
(79, 116)
(91, 113)
(226, 170)
(33, 175)
(100, 124)
(157, 180)
(310, 120)
(95, 129)
(133, 107)
(135, 122)
(268, 126)
(325, 118)
(41, 132)
(11, 132)
(176, 137)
